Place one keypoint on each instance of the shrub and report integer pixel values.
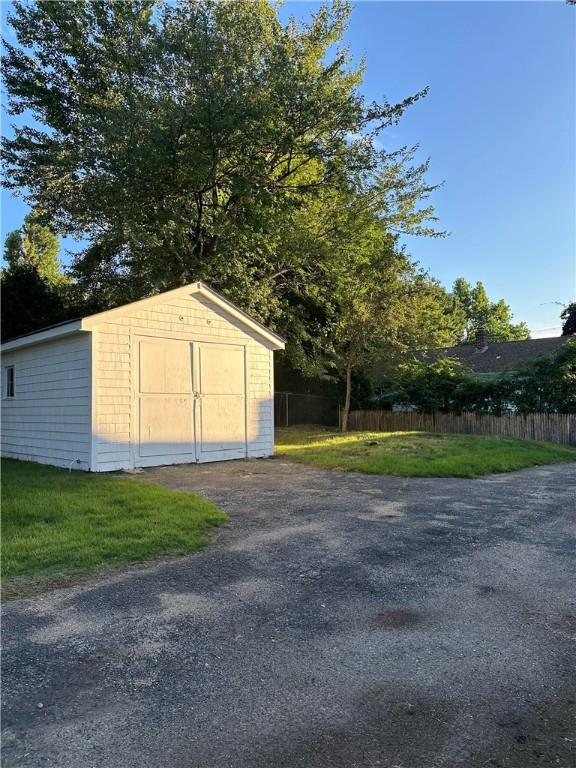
(546, 385)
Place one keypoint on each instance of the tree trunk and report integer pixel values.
(346, 410)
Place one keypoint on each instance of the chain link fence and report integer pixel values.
(291, 408)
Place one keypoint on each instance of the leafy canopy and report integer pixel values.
(481, 314)
(547, 384)
(182, 138)
(207, 140)
(34, 287)
(28, 302)
(35, 245)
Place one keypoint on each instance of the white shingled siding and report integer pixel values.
(189, 318)
(48, 420)
(142, 385)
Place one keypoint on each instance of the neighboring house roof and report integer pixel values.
(498, 356)
(87, 323)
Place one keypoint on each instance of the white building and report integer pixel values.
(181, 377)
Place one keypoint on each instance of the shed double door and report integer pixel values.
(191, 401)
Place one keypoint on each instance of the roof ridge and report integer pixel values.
(471, 344)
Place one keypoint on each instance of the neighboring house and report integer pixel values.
(487, 358)
(181, 377)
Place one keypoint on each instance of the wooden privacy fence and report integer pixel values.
(552, 427)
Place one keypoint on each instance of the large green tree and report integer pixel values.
(28, 302)
(35, 245)
(201, 140)
(178, 137)
(494, 318)
(430, 317)
(34, 287)
(373, 284)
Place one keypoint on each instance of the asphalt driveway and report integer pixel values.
(340, 620)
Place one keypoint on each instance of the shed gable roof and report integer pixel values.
(193, 289)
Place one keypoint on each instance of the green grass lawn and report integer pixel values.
(57, 525)
(415, 454)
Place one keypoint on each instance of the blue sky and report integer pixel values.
(499, 127)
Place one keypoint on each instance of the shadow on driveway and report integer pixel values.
(339, 620)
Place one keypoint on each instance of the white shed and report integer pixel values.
(181, 377)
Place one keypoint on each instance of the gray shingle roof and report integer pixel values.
(498, 356)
